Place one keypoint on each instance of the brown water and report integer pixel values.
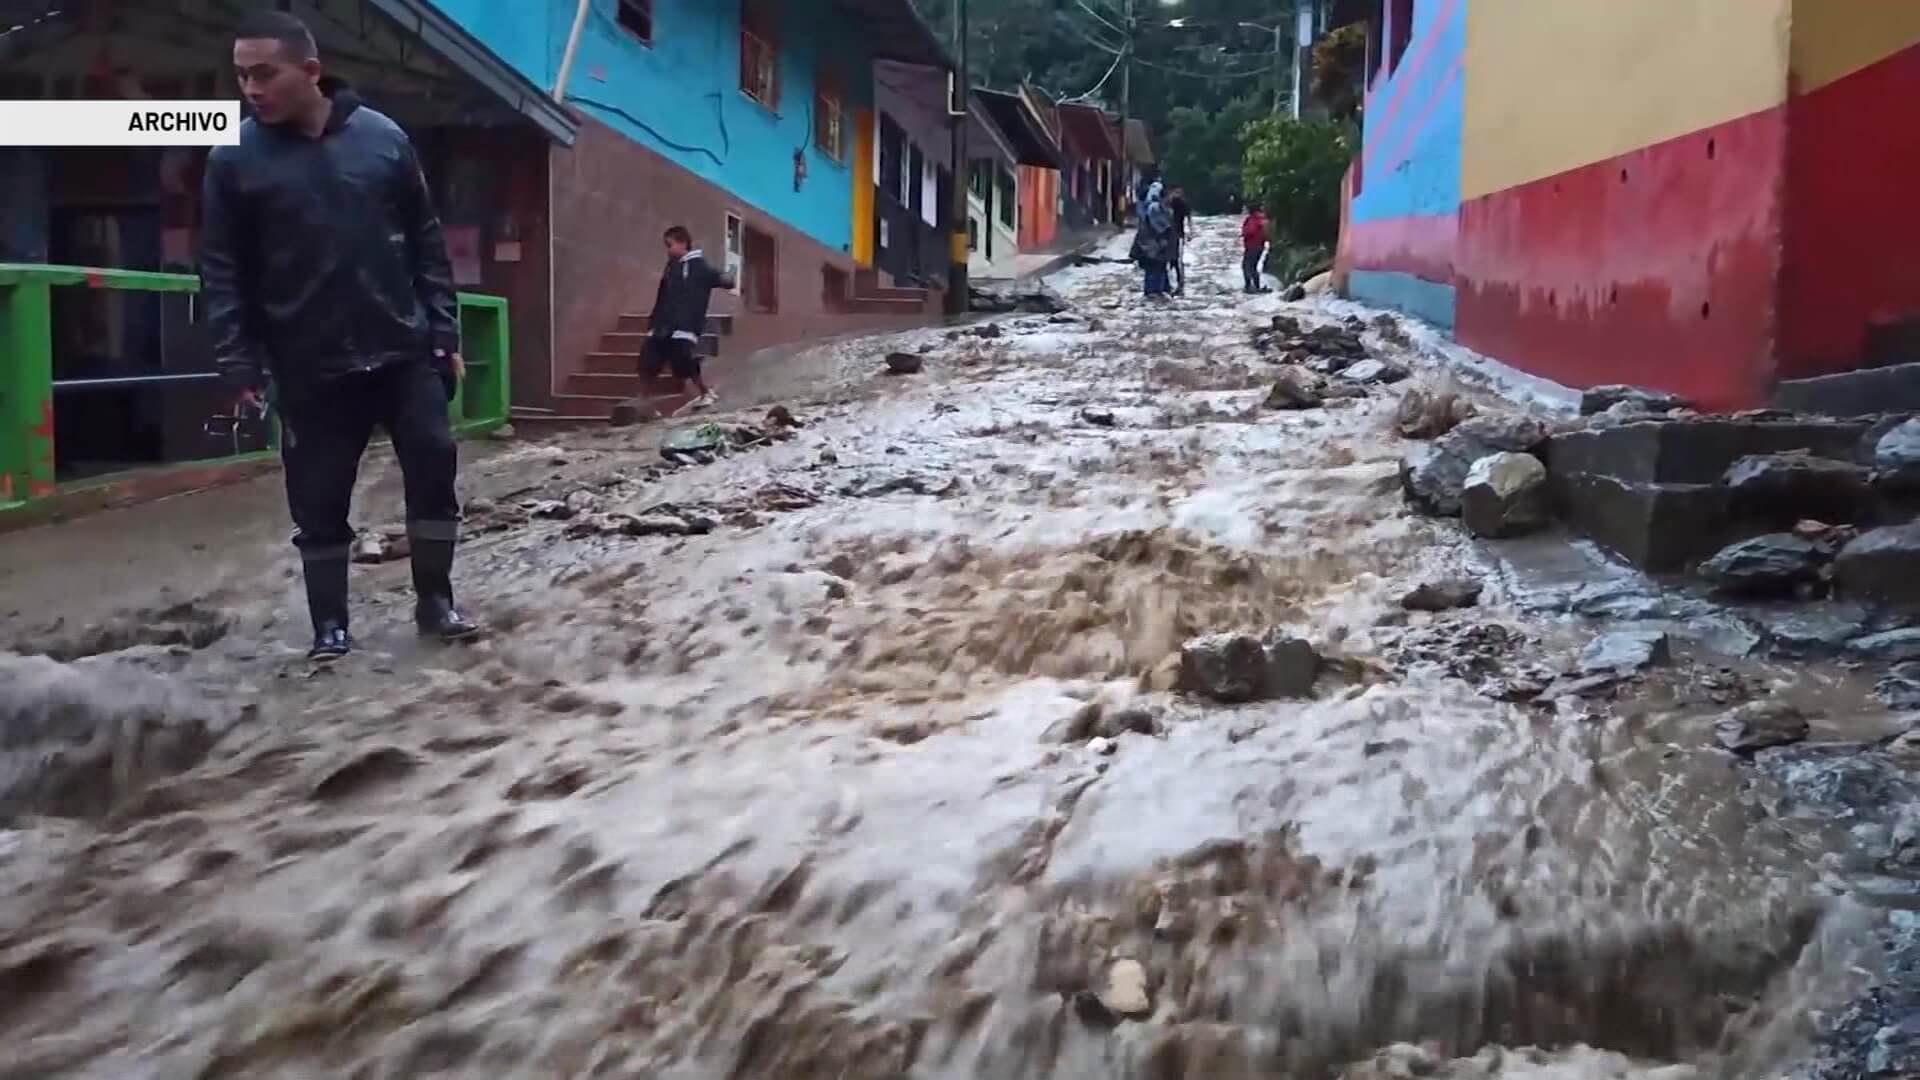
(792, 800)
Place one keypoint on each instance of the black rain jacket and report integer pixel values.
(323, 256)
(686, 287)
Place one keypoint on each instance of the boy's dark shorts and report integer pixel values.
(676, 354)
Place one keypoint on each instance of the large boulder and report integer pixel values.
(1236, 668)
(1601, 399)
(1295, 388)
(1435, 477)
(1424, 415)
(1798, 485)
(1888, 646)
(1505, 495)
(1759, 725)
(1625, 651)
(1896, 457)
(1774, 564)
(1881, 565)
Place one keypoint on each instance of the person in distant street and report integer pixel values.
(680, 316)
(1153, 242)
(1253, 238)
(326, 279)
(1182, 232)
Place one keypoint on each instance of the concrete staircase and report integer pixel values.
(610, 374)
(871, 297)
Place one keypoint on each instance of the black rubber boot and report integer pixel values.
(327, 606)
(433, 609)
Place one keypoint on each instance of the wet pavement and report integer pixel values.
(854, 752)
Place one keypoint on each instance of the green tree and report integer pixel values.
(1293, 169)
(1200, 150)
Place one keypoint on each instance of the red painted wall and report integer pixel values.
(1658, 267)
(1421, 246)
(1852, 238)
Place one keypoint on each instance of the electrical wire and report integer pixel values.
(1111, 68)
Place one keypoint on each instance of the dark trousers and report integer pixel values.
(323, 437)
(1250, 270)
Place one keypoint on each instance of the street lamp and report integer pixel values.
(1278, 56)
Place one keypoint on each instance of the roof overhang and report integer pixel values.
(1025, 136)
(482, 65)
(1087, 130)
(892, 30)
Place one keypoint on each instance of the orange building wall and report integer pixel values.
(1039, 207)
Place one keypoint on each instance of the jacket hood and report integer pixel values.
(346, 100)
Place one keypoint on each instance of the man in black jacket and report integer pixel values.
(1182, 232)
(325, 276)
(680, 316)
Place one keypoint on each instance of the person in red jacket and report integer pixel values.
(1253, 237)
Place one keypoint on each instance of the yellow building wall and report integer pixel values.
(863, 166)
(1552, 85)
(1835, 38)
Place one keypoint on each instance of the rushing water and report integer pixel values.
(815, 795)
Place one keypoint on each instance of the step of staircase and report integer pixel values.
(637, 323)
(881, 305)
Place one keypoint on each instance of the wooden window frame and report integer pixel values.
(759, 55)
(756, 300)
(645, 11)
(830, 117)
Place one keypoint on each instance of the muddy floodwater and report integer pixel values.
(871, 766)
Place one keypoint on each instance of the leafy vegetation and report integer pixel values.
(1206, 87)
(1293, 168)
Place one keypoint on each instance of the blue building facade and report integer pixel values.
(678, 91)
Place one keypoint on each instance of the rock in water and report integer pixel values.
(1292, 666)
(1226, 667)
(1237, 668)
(1892, 646)
(1760, 724)
(1900, 689)
(1422, 415)
(1896, 457)
(1505, 495)
(1625, 652)
(631, 412)
(1881, 565)
(1125, 991)
(1600, 399)
(1774, 564)
(369, 549)
(1435, 476)
(1443, 595)
(1295, 388)
(905, 363)
(1793, 486)
(1374, 371)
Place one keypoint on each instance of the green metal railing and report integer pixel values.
(27, 465)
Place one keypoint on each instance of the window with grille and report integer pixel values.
(829, 116)
(636, 18)
(1006, 206)
(759, 53)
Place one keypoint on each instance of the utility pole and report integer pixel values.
(1279, 70)
(1126, 108)
(959, 292)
